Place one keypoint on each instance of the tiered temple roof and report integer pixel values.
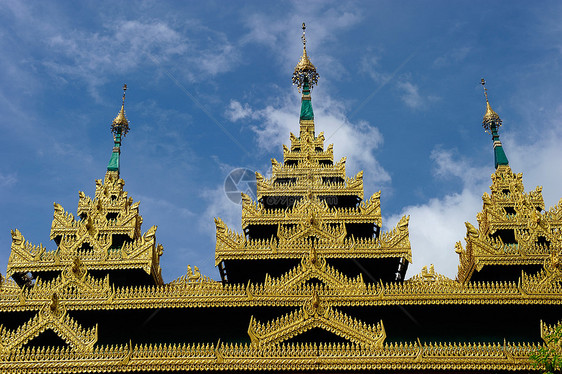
(514, 233)
(311, 284)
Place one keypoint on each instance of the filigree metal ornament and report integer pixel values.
(490, 117)
(305, 72)
(120, 125)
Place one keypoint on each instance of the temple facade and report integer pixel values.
(311, 283)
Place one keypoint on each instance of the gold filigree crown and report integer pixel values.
(305, 71)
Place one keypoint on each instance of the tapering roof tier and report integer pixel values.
(368, 211)
(282, 171)
(106, 236)
(513, 229)
(312, 234)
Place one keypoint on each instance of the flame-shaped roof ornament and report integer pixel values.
(305, 71)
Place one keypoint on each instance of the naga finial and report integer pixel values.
(305, 75)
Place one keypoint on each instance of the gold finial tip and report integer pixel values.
(124, 89)
(491, 115)
(120, 123)
(305, 70)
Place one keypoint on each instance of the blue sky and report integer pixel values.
(210, 90)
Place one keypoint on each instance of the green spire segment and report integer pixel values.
(491, 123)
(119, 128)
(113, 164)
(499, 155)
(306, 104)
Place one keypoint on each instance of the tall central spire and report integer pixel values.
(305, 77)
(491, 124)
(119, 128)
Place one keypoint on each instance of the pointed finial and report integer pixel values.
(305, 72)
(491, 124)
(119, 128)
(120, 124)
(490, 115)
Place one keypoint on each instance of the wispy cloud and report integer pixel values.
(454, 56)
(411, 96)
(370, 64)
(121, 45)
(7, 180)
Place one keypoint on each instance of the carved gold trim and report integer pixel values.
(330, 243)
(316, 314)
(281, 357)
(368, 211)
(54, 317)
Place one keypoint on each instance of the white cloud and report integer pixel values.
(438, 224)
(237, 111)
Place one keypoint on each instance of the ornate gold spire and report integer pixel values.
(305, 71)
(119, 128)
(120, 123)
(491, 124)
(491, 115)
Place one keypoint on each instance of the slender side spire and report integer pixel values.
(491, 124)
(119, 128)
(305, 77)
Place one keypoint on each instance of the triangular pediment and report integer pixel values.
(315, 314)
(52, 316)
(48, 338)
(314, 272)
